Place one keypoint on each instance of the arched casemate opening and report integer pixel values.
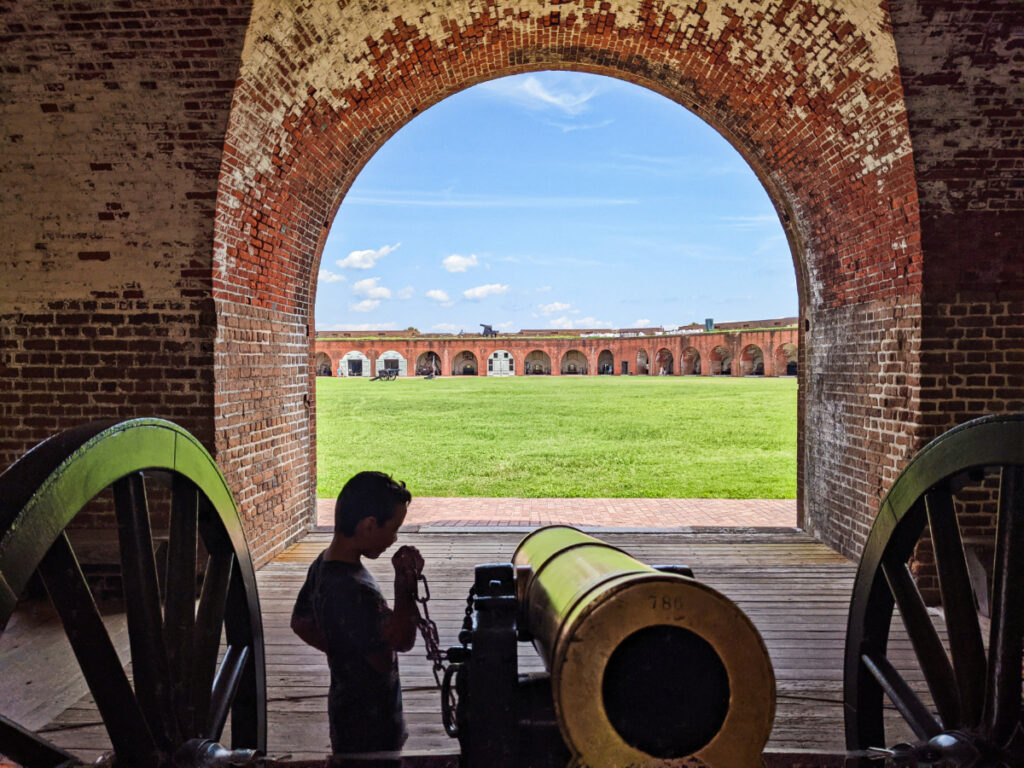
(721, 361)
(605, 363)
(392, 361)
(501, 363)
(814, 105)
(785, 360)
(642, 363)
(427, 364)
(354, 364)
(537, 363)
(323, 364)
(689, 362)
(663, 362)
(464, 364)
(751, 361)
(574, 363)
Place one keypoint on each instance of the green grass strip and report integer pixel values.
(563, 437)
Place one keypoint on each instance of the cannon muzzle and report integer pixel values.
(648, 668)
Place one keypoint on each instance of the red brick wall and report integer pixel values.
(808, 93)
(519, 348)
(113, 120)
(962, 75)
(143, 227)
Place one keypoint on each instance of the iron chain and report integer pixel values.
(450, 682)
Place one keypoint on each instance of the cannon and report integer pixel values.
(488, 330)
(646, 665)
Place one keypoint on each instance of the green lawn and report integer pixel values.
(588, 436)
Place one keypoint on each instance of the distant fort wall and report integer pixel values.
(754, 348)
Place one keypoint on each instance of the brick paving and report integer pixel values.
(453, 513)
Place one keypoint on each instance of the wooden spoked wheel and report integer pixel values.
(967, 709)
(186, 683)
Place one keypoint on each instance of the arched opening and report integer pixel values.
(785, 360)
(392, 362)
(689, 362)
(428, 364)
(721, 361)
(663, 362)
(323, 364)
(751, 361)
(848, 137)
(642, 363)
(537, 363)
(605, 363)
(354, 364)
(574, 363)
(464, 364)
(501, 363)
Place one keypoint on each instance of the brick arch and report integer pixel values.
(534, 358)
(463, 361)
(720, 361)
(574, 361)
(752, 361)
(690, 362)
(809, 95)
(786, 360)
(514, 365)
(428, 362)
(323, 365)
(606, 362)
(642, 361)
(664, 361)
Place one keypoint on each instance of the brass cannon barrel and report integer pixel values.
(647, 668)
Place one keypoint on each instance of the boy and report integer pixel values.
(341, 612)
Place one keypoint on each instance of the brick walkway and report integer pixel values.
(450, 513)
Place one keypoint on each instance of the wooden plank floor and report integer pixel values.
(795, 590)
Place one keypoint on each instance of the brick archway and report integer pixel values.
(323, 364)
(752, 361)
(818, 116)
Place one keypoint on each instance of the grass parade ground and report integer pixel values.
(586, 436)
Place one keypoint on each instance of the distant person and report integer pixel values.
(340, 610)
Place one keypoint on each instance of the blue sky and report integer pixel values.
(554, 200)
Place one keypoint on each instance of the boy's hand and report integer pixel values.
(408, 564)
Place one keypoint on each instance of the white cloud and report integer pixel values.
(562, 322)
(456, 263)
(483, 291)
(592, 322)
(366, 305)
(553, 308)
(438, 295)
(366, 259)
(326, 276)
(449, 327)
(407, 293)
(641, 321)
(370, 289)
(561, 92)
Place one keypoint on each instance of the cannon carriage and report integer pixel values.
(688, 690)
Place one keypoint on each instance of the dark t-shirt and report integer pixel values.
(364, 706)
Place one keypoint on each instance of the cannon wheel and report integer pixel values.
(181, 697)
(976, 693)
